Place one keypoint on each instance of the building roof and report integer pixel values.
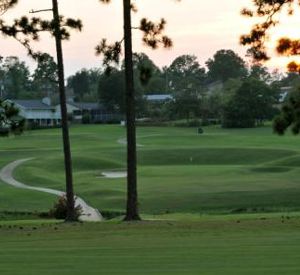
(86, 105)
(32, 104)
(284, 92)
(159, 97)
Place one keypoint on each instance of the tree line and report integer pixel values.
(226, 90)
(17, 82)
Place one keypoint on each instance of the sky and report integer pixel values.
(196, 26)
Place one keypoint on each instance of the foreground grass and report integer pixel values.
(242, 244)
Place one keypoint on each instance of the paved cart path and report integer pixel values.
(6, 175)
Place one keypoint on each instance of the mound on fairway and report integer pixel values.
(179, 171)
(211, 156)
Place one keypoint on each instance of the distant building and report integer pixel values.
(42, 114)
(214, 87)
(159, 98)
(90, 112)
(284, 92)
(38, 112)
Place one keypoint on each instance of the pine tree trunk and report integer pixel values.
(132, 197)
(64, 118)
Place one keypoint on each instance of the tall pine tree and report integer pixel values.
(152, 37)
(25, 30)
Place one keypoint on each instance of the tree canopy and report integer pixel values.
(15, 77)
(185, 72)
(10, 121)
(270, 12)
(249, 105)
(44, 78)
(224, 65)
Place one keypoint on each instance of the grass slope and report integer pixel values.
(179, 171)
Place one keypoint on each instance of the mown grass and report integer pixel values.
(198, 194)
(268, 244)
(221, 171)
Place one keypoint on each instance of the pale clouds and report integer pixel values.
(198, 27)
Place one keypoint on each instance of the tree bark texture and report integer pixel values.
(132, 213)
(64, 117)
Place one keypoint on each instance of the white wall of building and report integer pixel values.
(39, 114)
(70, 109)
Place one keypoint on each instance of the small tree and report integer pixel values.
(80, 83)
(16, 78)
(111, 91)
(187, 104)
(249, 105)
(10, 121)
(45, 76)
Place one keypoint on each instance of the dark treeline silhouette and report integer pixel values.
(214, 93)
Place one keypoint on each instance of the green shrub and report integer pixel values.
(59, 210)
(86, 118)
(4, 132)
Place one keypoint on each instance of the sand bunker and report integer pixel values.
(114, 175)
